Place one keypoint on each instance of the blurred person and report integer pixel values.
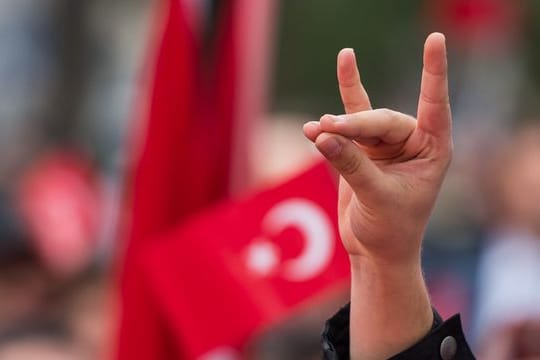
(60, 200)
(508, 316)
(392, 167)
(43, 316)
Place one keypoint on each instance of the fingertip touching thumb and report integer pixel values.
(349, 160)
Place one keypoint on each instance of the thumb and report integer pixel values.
(350, 161)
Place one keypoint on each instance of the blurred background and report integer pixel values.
(133, 129)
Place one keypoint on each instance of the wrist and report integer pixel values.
(387, 247)
(388, 264)
(390, 307)
(386, 280)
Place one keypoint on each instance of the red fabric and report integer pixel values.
(186, 149)
(199, 281)
(207, 286)
(183, 162)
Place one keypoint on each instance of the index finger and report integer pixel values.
(353, 94)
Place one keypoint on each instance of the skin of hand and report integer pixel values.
(392, 167)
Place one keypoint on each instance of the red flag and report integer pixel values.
(240, 267)
(200, 101)
(184, 161)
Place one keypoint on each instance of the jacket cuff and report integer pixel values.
(445, 340)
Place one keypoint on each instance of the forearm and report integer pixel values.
(390, 308)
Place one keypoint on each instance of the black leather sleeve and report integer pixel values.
(445, 340)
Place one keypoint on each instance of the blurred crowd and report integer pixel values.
(68, 72)
(75, 77)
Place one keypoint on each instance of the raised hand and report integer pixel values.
(392, 166)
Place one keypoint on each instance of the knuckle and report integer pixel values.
(434, 100)
(348, 83)
(350, 103)
(388, 115)
(386, 112)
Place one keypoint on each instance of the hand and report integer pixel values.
(391, 165)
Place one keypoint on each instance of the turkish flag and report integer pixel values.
(183, 153)
(206, 92)
(208, 286)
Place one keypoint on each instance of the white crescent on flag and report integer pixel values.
(317, 232)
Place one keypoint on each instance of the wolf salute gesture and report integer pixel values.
(392, 167)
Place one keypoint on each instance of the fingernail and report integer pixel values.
(441, 35)
(334, 118)
(330, 147)
(311, 124)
